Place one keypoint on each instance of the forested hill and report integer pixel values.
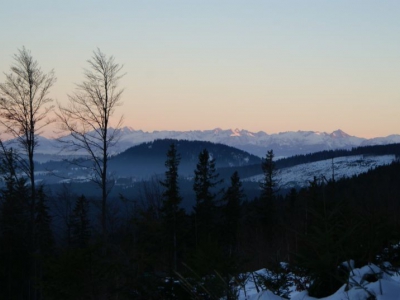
(149, 158)
(252, 170)
(329, 154)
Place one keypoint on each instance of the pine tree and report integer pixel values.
(269, 184)
(233, 198)
(206, 178)
(43, 235)
(14, 230)
(268, 189)
(326, 241)
(231, 216)
(43, 239)
(172, 214)
(80, 225)
(171, 197)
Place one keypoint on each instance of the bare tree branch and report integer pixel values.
(24, 108)
(86, 119)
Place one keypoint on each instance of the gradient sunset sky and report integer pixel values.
(275, 66)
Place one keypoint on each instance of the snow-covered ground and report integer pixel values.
(368, 282)
(340, 167)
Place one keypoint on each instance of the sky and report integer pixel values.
(273, 66)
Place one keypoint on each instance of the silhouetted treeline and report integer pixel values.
(156, 250)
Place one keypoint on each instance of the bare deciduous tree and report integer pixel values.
(25, 107)
(87, 119)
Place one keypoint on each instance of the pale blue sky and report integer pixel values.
(257, 65)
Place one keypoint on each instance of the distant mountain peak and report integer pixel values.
(127, 129)
(339, 134)
(236, 132)
(217, 130)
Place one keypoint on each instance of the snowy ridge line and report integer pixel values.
(340, 167)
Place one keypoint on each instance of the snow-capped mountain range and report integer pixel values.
(284, 144)
(257, 143)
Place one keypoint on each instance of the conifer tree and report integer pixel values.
(268, 188)
(14, 230)
(233, 198)
(269, 184)
(326, 242)
(172, 214)
(206, 178)
(171, 197)
(43, 238)
(80, 225)
(44, 235)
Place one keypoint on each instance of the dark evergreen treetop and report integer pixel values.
(205, 179)
(269, 183)
(80, 224)
(172, 199)
(44, 239)
(233, 200)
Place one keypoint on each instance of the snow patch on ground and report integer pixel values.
(385, 285)
(339, 167)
